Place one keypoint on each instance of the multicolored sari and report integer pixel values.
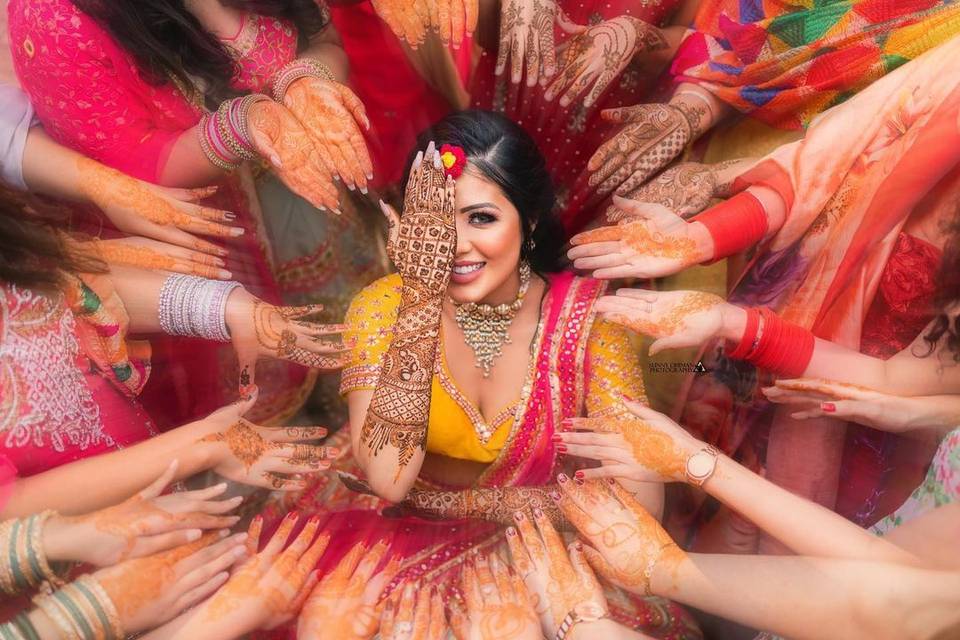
(783, 63)
(564, 372)
(888, 156)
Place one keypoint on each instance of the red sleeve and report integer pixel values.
(87, 92)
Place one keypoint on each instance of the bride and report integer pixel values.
(467, 362)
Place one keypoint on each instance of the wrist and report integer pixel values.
(733, 322)
(594, 629)
(703, 241)
(59, 540)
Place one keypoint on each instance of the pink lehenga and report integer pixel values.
(580, 366)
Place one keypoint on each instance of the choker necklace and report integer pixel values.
(485, 327)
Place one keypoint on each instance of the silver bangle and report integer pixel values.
(195, 307)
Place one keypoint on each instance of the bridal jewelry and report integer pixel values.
(485, 327)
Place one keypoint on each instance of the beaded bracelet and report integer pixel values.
(299, 68)
(195, 307)
(224, 134)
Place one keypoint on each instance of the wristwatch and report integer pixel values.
(701, 465)
(583, 612)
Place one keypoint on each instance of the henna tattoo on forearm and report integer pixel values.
(423, 251)
(493, 504)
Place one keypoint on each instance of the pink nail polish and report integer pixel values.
(555, 495)
(537, 512)
(562, 478)
(562, 448)
(578, 475)
(828, 407)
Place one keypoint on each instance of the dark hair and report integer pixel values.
(947, 295)
(167, 41)
(502, 152)
(33, 252)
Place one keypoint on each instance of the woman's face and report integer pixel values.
(486, 267)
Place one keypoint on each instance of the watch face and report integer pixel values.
(589, 611)
(699, 465)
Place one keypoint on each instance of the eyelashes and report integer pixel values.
(481, 218)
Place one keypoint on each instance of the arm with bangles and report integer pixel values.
(799, 597)
(389, 425)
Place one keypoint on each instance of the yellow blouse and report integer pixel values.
(611, 357)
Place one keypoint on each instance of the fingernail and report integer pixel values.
(627, 398)
(578, 546)
(219, 262)
(828, 407)
(237, 232)
(562, 448)
(236, 500)
(227, 215)
(611, 480)
(194, 534)
(579, 479)
(223, 533)
(332, 452)
(511, 531)
(223, 252)
(578, 475)
(562, 478)
(556, 437)
(555, 495)
(364, 190)
(224, 274)
(519, 517)
(537, 512)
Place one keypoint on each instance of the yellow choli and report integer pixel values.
(611, 359)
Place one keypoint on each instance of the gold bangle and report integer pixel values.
(52, 609)
(106, 604)
(46, 571)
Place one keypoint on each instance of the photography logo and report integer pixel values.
(678, 367)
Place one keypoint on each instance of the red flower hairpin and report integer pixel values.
(453, 159)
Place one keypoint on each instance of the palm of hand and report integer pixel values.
(330, 113)
(649, 248)
(302, 165)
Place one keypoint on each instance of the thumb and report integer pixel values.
(567, 25)
(645, 210)
(158, 485)
(393, 220)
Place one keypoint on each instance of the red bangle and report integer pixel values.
(745, 345)
(784, 349)
(735, 225)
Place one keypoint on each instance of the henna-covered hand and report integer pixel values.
(297, 160)
(675, 318)
(628, 543)
(154, 255)
(413, 613)
(652, 136)
(268, 457)
(895, 414)
(145, 524)
(557, 582)
(685, 189)
(527, 40)
(335, 118)
(149, 591)
(410, 20)
(267, 590)
(497, 604)
(455, 19)
(596, 57)
(650, 242)
(262, 330)
(346, 603)
(496, 504)
(142, 209)
(647, 446)
(422, 245)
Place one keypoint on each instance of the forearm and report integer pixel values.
(392, 441)
(806, 527)
(495, 505)
(693, 98)
(187, 165)
(803, 597)
(101, 481)
(52, 169)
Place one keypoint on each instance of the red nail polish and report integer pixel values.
(556, 437)
(555, 495)
(828, 407)
(561, 448)
(578, 475)
(562, 478)
(579, 480)
(611, 480)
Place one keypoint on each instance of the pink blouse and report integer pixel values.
(88, 93)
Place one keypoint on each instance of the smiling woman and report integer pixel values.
(457, 450)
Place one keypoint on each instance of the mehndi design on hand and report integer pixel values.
(303, 166)
(629, 543)
(154, 255)
(652, 136)
(497, 504)
(497, 605)
(640, 444)
(422, 246)
(598, 55)
(685, 189)
(333, 117)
